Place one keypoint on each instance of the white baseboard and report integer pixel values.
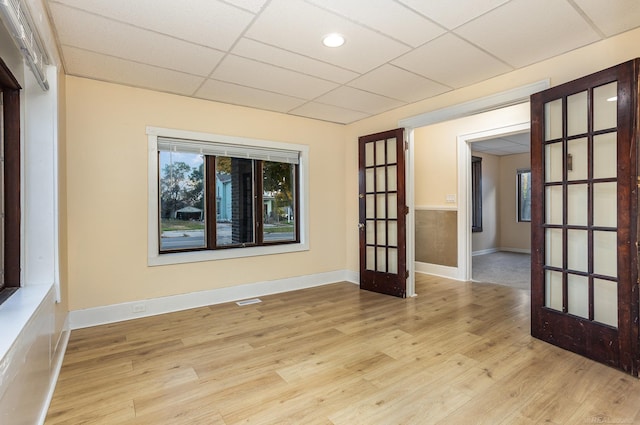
(485, 251)
(519, 250)
(56, 365)
(151, 307)
(437, 270)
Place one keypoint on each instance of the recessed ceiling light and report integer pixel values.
(333, 40)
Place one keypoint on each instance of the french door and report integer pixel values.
(584, 291)
(382, 213)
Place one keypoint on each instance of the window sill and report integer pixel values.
(16, 312)
(223, 254)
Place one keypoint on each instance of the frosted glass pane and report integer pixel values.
(605, 258)
(553, 205)
(369, 184)
(371, 258)
(605, 156)
(380, 152)
(553, 162)
(577, 198)
(578, 295)
(553, 120)
(370, 231)
(382, 260)
(391, 151)
(577, 165)
(605, 302)
(381, 210)
(371, 209)
(553, 247)
(577, 114)
(392, 233)
(382, 233)
(392, 178)
(605, 106)
(393, 261)
(605, 208)
(553, 290)
(392, 201)
(368, 154)
(381, 184)
(577, 250)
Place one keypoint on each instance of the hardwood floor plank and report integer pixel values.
(458, 353)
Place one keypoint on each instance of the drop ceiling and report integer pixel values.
(268, 54)
(505, 145)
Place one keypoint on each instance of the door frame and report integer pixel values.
(492, 102)
(464, 190)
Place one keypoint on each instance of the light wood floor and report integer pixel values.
(457, 354)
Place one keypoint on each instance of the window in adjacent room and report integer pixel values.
(220, 199)
(476, 194)
(524, 195)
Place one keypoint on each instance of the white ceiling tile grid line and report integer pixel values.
(268, 54)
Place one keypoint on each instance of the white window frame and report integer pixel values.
(154, 258)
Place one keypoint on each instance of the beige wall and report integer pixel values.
(106, 154)
(514, 235)
(558, 70)
(63, 248)
(106, 175)
(489, 237)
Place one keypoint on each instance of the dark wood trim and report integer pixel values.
(210, 199)
(476, 194)
(7, 79)
(258, 187)
(11, 99)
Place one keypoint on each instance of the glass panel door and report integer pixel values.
(583, 265)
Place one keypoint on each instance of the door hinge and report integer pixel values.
(406, 145)
(406, 274)
(406, 210)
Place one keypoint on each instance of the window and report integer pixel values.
(9, 183)
(214, 194)
(476, 194)
(524, 195)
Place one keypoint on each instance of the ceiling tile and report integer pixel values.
(107, 68)
(207, 22)
(280, 25)
(359, 100)
(451, 61)
(523, 32)
(240, 95)
(520, 139)
(328, 113)
(90, 32)
(259, 75)
(384, 17)
(251, 5)
(612, 17)
(264, 53)
(396, 83)
(453, 13)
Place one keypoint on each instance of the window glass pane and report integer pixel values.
(553, 290)
(605, 302)
(524, 195)
(278, 201)
(182, 213)
(553, 162)
(578, 295)
(234, 194)
(605, 164)
(577, 203)
(605, 106)
(577, 159)
(553, 120)
(605, 253)
(382, 233)
(553, 247)
(553, 205)
(577, 255)
(391, 151)
(605, 204)
(577, 114)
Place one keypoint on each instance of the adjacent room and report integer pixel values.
(266, 211)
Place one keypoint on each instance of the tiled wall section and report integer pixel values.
(437, 237)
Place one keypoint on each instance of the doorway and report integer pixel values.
(501, 210)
